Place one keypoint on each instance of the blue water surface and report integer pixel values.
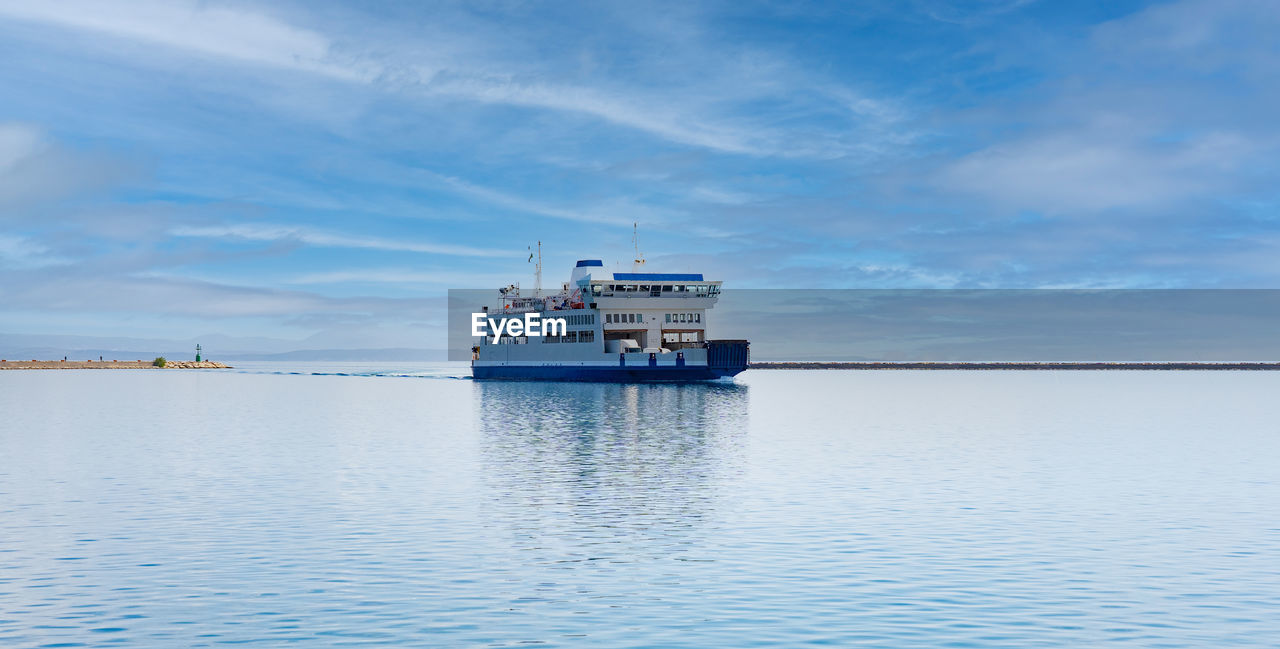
(350, 505)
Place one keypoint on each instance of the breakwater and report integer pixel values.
(108, 365)
(1012, 365)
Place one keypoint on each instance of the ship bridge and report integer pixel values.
(661, 285)
(661, 311)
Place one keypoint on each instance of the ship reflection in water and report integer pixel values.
(613, 472)
(871, 509)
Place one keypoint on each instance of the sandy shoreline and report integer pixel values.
(107, 365)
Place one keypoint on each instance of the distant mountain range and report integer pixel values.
(215, 347)
(389, 354)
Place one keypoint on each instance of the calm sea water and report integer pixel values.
(412, 507)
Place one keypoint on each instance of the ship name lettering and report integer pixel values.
(533, 324)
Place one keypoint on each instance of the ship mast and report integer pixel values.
(638, 261)
(537, 274)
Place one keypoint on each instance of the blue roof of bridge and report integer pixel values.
(658, 277)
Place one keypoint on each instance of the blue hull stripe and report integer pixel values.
(602, 373)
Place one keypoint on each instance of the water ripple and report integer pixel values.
(332, 508)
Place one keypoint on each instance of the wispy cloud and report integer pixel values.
(74, 292)
(32, 168)
(661, 120)
(1154, 112)
(402, 276)
(966, 13)
(17, 143)
(201, 28)
(324, 239)
(522, 204)
(1093, 170)
(687, 110)
(21, 253)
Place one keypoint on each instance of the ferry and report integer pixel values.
(621, 327)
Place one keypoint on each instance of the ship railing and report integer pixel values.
(673, 346)
(649, 294)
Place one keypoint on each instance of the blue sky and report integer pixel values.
(319, 173)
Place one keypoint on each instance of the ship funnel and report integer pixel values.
(583, 268)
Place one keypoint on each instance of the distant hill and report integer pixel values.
(391, 354)
(221, 348)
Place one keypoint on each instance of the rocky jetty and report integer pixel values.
(194, 365)
(107, 365)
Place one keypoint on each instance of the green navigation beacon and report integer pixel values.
(197, 352)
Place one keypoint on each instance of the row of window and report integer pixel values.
(572, 337)
(656, 289)
(574, 320)
(637, 318)
(623, 318)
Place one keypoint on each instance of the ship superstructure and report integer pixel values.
(634, 326)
